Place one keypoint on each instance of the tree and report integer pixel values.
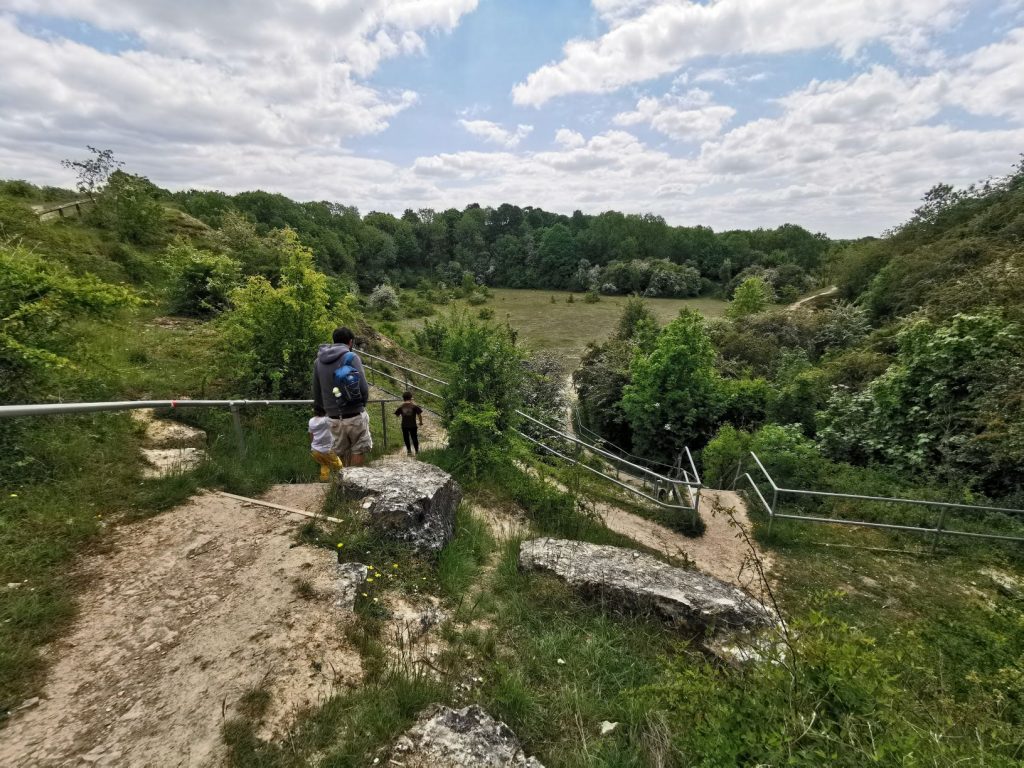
(557, 257)
(201, 282)
(93, 173)
(753, 296)
(128, 205)
(675, 397)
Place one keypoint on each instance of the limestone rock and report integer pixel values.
(463, 738)
(410, 501)
(161, 462)
(685, 598)
(351, 577)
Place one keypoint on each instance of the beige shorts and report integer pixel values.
(352, 435)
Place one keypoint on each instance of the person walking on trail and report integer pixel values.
(409, 412)
(321, 444)
(340, 388)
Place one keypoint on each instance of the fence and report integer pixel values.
(685, 488)
(234, 406)
(63, 211)
(940, 529)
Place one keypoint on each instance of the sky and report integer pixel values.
(837, 115)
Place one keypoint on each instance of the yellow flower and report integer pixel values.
(369, 581)
(340, 545)
(364, 594)
(394, 565)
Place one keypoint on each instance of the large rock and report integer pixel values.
(411, 501)
(463, 738)
(690, 599)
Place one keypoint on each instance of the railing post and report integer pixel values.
(938, 528)
(236, 420)
(771, 509)
(384, 424)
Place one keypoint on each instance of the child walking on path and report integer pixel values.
(409, 412)
(321, 446)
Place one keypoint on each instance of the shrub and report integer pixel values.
(483, 391)
(476, 298)
(753, 296)
(591, 297)
(383, 297)
(201, 282)
(272, 333)
(724, 457)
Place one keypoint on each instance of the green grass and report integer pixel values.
(565, 328)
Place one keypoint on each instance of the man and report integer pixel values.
(350, 423)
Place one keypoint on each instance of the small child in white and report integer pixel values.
(321, 446)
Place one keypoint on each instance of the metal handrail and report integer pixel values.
(630, 488)
(937, 531)
(692, 486)
(49, 409)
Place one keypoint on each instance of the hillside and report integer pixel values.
(904, 383)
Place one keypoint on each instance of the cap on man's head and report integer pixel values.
(343, 335)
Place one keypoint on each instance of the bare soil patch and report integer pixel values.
(721, 551)
(184, 614)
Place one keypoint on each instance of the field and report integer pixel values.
(566, 328)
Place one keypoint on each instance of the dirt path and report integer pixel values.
(182, 615)
(721, 551)
(826, 292)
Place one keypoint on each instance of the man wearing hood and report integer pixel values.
(350, 425)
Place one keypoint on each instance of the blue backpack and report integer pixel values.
(347, 383)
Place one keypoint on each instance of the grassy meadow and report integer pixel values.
(566, 328)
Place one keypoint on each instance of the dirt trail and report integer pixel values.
(182, 615)
(721, 551)
(819, 294)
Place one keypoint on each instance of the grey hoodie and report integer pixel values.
(327, 361)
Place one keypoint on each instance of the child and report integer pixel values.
(409, 412)
(321, 446)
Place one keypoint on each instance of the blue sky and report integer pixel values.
(837, 116)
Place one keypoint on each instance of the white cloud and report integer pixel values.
(494, 133)
(662, 36)
(687, 117)
(569, 139)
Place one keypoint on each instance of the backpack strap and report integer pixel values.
(348, 357)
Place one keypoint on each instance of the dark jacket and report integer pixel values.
(327, 361)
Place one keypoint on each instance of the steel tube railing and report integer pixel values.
(937, 531)
(619, 483)
(45, 409)
(404, 368)
(602, 452)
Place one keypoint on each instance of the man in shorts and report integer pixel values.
(350, 425)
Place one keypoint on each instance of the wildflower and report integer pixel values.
(394, 565)
(340, 545)
(14, 495)
(365, 595)
(369, 580)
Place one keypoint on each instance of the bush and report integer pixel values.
(476, 298)
(591, 297)
(483, 391)
(725, 457)
(383, 297)
(271, 335)
(753, 296)
(129, 207)
(201, 282)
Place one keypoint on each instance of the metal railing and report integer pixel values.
(937, 531)
(235, 406)
(685, 489)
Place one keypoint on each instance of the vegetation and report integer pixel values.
(907, 385)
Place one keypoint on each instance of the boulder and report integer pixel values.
(689, 599)
(410, 501)
(460, 738)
